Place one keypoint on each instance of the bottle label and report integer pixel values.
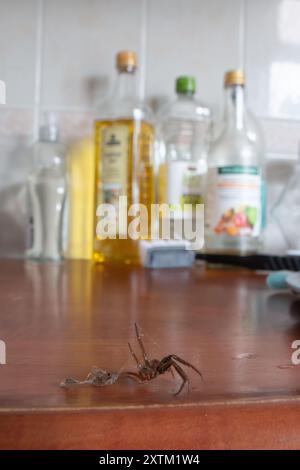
(181, 187)
(185, 185)
(115, 146)
(234, 200)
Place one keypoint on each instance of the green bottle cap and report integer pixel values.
(185, 85)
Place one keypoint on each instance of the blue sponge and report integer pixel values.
(277, 280)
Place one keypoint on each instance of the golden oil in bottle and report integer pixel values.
(124, 142)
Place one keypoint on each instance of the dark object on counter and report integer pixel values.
(149, 369)
(256, 262)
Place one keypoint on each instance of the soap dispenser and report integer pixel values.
(47, 187)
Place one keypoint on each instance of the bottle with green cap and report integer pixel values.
(184, 128)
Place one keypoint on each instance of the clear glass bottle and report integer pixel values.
(184, 133)
(283, 233)
(124, 141)
(235, 195)
(47, 193)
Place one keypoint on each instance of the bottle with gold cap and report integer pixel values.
(124, 142)
(235, 202)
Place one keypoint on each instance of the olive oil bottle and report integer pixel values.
(124, 142)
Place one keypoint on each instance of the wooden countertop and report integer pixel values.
(58, 320)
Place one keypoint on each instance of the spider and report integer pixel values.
(151, 368)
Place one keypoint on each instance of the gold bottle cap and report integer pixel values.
(234, 77)
(126, 60)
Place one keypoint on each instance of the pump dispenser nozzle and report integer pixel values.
(49, 130)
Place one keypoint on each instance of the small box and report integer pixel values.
(166, 254)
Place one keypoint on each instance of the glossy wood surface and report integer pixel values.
(58, 320)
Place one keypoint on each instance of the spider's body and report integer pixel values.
(150, 369)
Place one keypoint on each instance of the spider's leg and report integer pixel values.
(132, 375)
(139, 365)
(141, 344)
(182, 361)
(172, 372)
(165, 365)
(182, 374)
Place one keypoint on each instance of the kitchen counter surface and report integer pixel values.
(59, 320)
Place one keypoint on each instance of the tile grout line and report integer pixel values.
(38, 66)
(242, 35)
(82, 110)
(143, 48)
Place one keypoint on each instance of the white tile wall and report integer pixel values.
(199, 38)
(59, 54)
(272, 57)
(80, 40)
(18, 30)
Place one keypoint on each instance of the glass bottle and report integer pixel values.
(283, 235)
(183, 139)
(47, 192)
(235, 195)
(124, 142)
